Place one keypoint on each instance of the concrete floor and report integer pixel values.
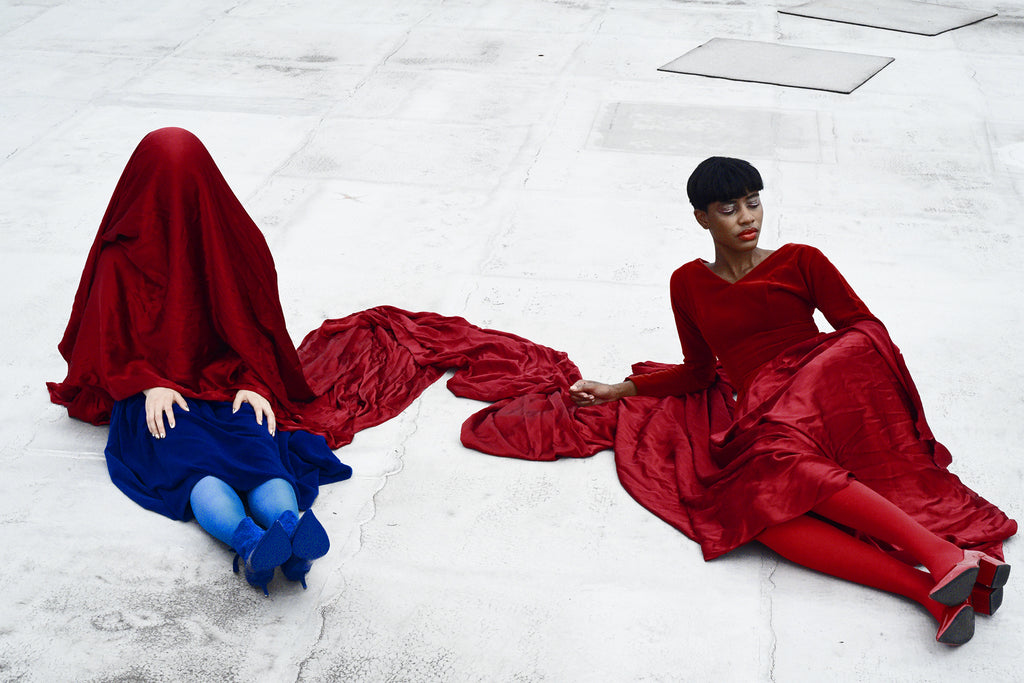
(520, 163)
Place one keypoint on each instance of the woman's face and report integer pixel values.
(734, 224)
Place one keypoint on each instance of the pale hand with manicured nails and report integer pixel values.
(160, 402)
(260, 406)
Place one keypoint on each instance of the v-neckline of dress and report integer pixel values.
(707, 267)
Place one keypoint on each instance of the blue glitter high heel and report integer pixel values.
(262, 551)
(309, 542)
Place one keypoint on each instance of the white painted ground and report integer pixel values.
(519, 163)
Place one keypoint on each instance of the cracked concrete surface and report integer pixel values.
(520, 163)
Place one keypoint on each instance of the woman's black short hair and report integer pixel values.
(719, 179)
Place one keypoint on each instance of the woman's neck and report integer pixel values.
(732, 265)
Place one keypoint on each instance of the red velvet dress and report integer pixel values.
(813, 409)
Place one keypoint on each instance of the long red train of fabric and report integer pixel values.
(180, 291)
(369, 366)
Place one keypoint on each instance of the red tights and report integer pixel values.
(818, 545)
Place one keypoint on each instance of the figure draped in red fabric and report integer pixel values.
(827, 428)
(177, 338)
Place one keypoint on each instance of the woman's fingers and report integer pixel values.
(159, 407)
(581, 392)
(260, 406)
(151, 423)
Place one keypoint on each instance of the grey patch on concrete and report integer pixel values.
(1007, 141)
(179, 630)
(654, 128)
(317, 163)
(798, 67)
(908, 16)
(290, 70)
(318, 59)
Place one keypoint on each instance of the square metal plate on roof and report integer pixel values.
(798, 67)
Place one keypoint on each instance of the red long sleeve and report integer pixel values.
(746, 323)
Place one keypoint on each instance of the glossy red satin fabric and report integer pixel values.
(180, 290)
(368, 367)
(717, 471)
(721, 473)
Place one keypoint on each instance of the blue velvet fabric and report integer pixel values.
(209, 439)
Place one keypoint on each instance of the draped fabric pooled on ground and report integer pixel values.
(179, 290)
(717, 471)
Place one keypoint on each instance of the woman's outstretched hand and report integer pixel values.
(260, 406)
(588, 393)
(160, 404)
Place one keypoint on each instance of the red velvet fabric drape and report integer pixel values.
(672, 454)
(179, 290)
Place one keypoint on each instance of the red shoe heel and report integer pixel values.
(957, 625)
(985, 600)
(992, 573)
(956, 586)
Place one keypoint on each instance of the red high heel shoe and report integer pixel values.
(985, 600)
(957, 625)
(976, 567)
(992, 573)
(956, 586)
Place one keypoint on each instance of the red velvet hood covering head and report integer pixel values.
(179, 290)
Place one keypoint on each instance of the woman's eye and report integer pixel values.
(753, 204)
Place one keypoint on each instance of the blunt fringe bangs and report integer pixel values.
(719, 179)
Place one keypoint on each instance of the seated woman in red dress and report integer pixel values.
(825, 432)
(177, 338)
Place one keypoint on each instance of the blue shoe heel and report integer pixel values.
(262, 551)
(309, 542)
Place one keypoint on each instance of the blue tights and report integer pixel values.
(219, 509)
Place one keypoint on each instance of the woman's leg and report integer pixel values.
(217, 508)
(820, 546)
(270, 500)
(274, 500)
(861, 508)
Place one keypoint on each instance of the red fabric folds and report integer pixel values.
(179, 290)
(721, 473)
(368, 367)
(717, 471)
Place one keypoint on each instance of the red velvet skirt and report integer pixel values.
(835, 407)
(839, 406)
